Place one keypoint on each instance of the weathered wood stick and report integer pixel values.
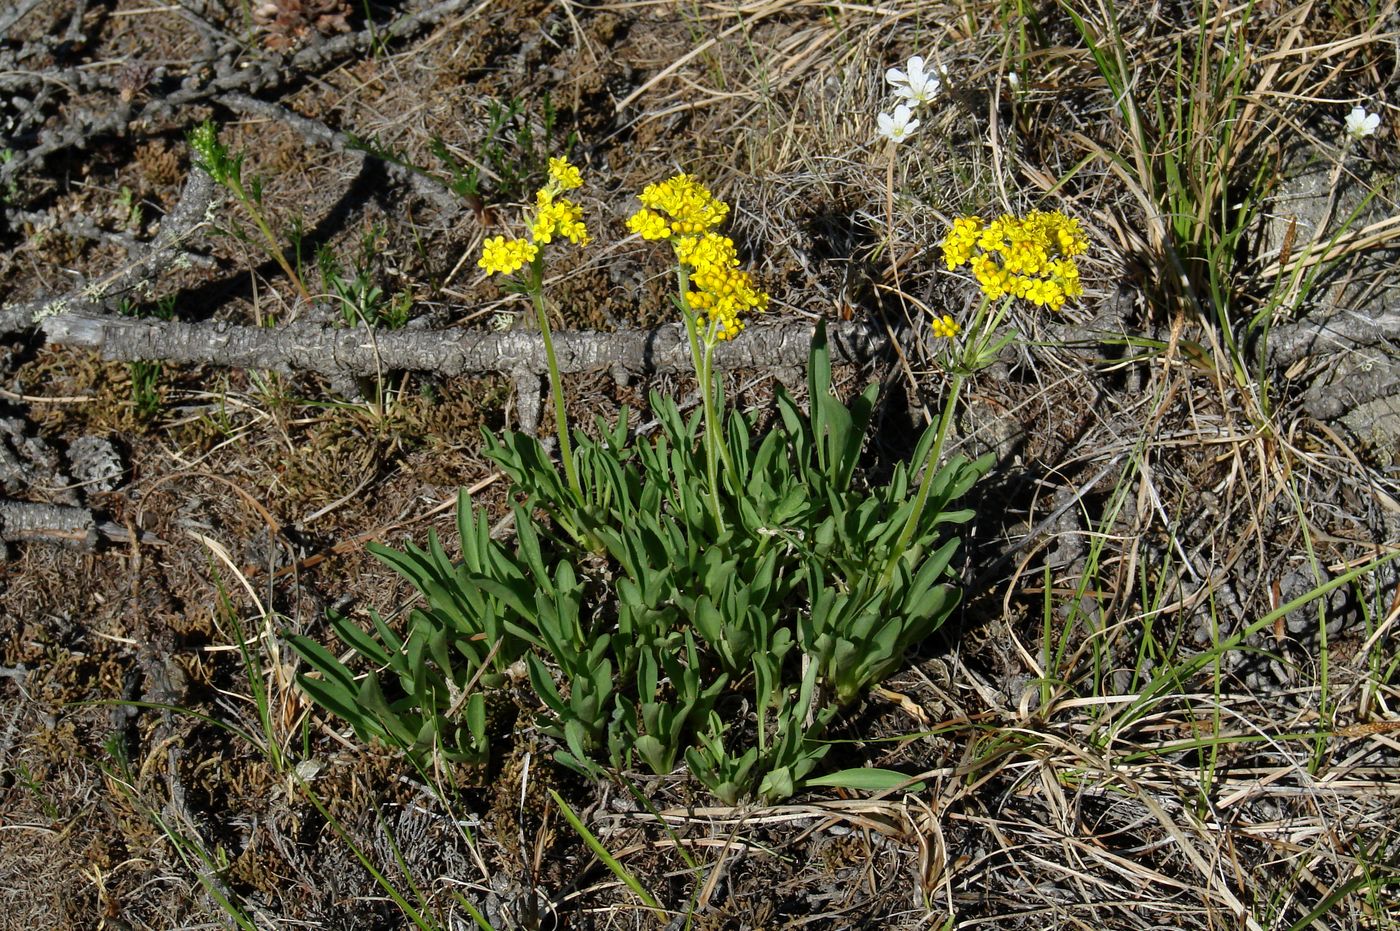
(340, 351)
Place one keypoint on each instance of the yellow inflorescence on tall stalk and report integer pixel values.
(553, 216)
(682, 210)
(1031, 258)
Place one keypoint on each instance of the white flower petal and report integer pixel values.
(896, 77)
(1360, 124)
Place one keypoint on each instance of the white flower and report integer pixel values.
(1360, 123)
(899, 127)
(917, 86)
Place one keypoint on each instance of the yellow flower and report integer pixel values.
(1042, 292)
(560, 216)
(504, 256)
(994, 281)
(957, 247)
(1031, 258)
(993, 237)
(649, 224)
(685, 212)
(553, 216)
(565, 176)
(691, 206)
(945, 327)
(710, 254)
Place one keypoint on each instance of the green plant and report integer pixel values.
(671, 581)
(1204, 167)
(146, 375)
(602, 852)
(131, 208)
(209, 866)
(11, 193)
(25, 777)
(510, 153)
(213, 157)
(362, 302)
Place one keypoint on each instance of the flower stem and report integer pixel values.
(556, 384)
(721, 441)
(978, 350)
(930, 467)
(701, 359)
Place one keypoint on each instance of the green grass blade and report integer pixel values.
(611, 862)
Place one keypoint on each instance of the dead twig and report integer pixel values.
(47, 523)
(176, 230)
(339, 351)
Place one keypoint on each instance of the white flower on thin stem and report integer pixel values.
(916, 85)
(898, 127)
(1360, 123)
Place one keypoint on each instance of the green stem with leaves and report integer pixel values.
(535, 286)
(701, 358)
(978, 351)
(712, 394)
(950, 405)
(227, 171)
(235, 184)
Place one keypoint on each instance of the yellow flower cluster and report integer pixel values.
(684, 211)
(505, 256)
(1031, 258)
(561, 216)
(690, 205)
(554, 216)
(945, 327)
(565, 176)
(723, 292)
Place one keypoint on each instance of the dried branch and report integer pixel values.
(338, 351)
(16, 13)
(178, 226)
(318, 133)
(48, 523)
(231, 71)
(1344, 329)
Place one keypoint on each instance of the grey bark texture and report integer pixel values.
(92, 297)
(48, 523)
(339, 351)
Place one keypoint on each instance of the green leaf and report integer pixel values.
(776, 785)
(865, 779)
(391, 640)
(654, 754)
(708, 621)
(543, 684)
(323, 661)
(611, 862)
(340, 702)
(476, 717)
(527, 544)
(358, 640)
(577, 737)
(371, 699)
(513, 596)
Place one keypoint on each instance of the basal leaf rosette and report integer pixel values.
(1031, 258)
